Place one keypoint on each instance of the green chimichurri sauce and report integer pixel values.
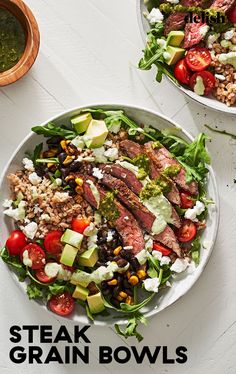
(12, 40)
(108, 208)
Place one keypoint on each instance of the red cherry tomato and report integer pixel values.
(160, 248)
(42, 276)
(187, 231)
(181, 72)
(198, 58)
(208, 81)
(36, 254)
(62, 304)
(80, 224)
(16, 241)
(52, 242)
(186, 200)
(231, 15)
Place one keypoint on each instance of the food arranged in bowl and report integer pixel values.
(107, 213)
(194, 44)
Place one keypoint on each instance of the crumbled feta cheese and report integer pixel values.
(99, 154)
(151, 284)
(97, 173)
(34, 192)
(211, 40)
(165, 260)
(34, 179)
(45, 217)
(92, 241)
(28, 164)
(18, 214)
(26, 220)
(129, 247)
(64, 274)
(148, 242)
(30, 230)
(195, 211)
(221, 77)
(142, 256)
(108, 143)
(229, 34)
(90, 230)
(7, 203)
(37, 209)
(115, 127)
(110, 235)
(179, 265)
(111, 154)
(51, 269)
(157, 255)
(126, 218)
(26, 260)
(203, 30)
(155, 16)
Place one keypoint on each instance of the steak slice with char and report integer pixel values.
(168, 238)
(223, 5)
(125, 224)
(129, 148)
(175, 21)
(162, 159)
(193, 34)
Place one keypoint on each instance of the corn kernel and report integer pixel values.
(119, 298)
(128, 300)
(123, 294)
(133, 280)
(78, 189)
(141, 274)
(112, 282)
(79, 181)
(68, 160)
(50, 164)
(50, 153)
(69, 178)
(128, 274)
(64, 144)
(117, 250)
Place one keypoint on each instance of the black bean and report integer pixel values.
(104, 285)
(126, 254)
(64, 172)
(115, 302)
(117, 258)
(126, 284)
(134, 263)
(106, 292)
(54, 140)
(116, 290)
(128, 291)
(72, 183)
(74, 166)
(100, 263)
(61, 157)
(110, 258)
(122, 262)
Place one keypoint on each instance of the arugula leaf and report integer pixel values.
(131, 327)
(135, 307)
(195, 250)
(14, 263)
(34, 291)
(51, 129)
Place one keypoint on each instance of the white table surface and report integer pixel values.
(89, 52)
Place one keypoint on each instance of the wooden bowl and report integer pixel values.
(22, 12)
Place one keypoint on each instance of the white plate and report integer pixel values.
(209, 102)
(183, 282)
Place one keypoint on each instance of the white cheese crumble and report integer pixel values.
(142, 256)
(34, 192)
(90, 230)
(211, 40)
(64, 274)
(155, 16)
(192, 213)
(92, 241)
(157, 255)
(51, 269)
(7, 203)
(151, 284)
(161, 43)
(179, 265)
(126, 218)
(26, 260)
(108, 143)
(30, 230)
(18, 214)
(110, 235)
(166, 55)
(111, 154)
(203, 30)
(221, 77)
(129, 247)
(229, 34)
(148, 242)
(99, 155)
(34, 179)
(97, 173)
(45, 217)
(165, 260)
(199, 87)
(37, 209)
(28, 164)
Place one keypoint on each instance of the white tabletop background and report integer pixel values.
(89, 52)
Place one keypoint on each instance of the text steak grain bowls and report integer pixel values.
(198, 55)
(108, 213)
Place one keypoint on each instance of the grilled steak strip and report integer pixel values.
(125, 224)
(223, 5)
(162, 159)
(168, 238)
(131, 149)
(175, 21)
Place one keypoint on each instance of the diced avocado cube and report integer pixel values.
(175, 38)
(175, 53)
(68, 255)
(95, 303)
(96, 134)
(81, 122)
(72, 237)
(89, 257)
(80, 293)
(80, 278)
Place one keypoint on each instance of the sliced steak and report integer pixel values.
(175, 21)
(125, 224)
(162, 159)
(223, 5)
(193, 34)
(129, 148)
(168, 238)
(125, 175)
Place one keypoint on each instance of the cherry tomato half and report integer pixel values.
(52, 242)
(158, 247)
(80, 224)
(198, 58)
(62, 304)
(181, 72)
(187, 231)
(16, 242)
(42, 276)
(36, 254)
(208, 81)
(186, 200)
(232, 14)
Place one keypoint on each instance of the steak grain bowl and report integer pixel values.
(108, 212)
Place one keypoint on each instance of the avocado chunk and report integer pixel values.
(175, 38)
(72, 237)
(80, 278)
(68, 255)
(81, 122)
(175, 53)
(89, 257)
(80, 293)
(95, 303)
(96, 134)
